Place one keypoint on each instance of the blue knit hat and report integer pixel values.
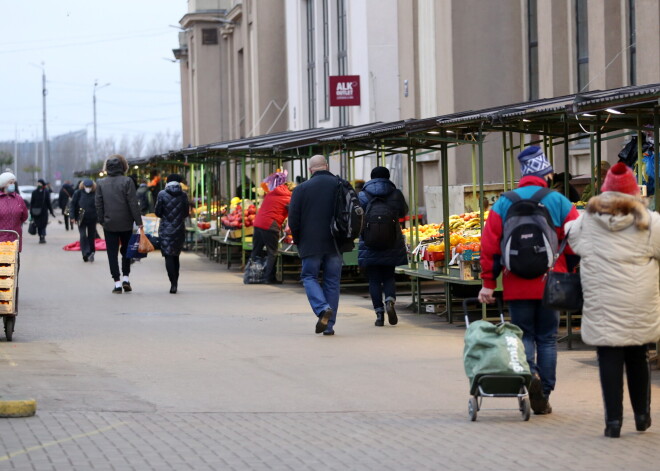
(533, 162)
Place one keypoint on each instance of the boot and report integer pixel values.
(642, 422)
(42, 239)
(613, 428)
(380, 319)
(391, 312)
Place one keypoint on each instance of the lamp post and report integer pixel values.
(96, 87)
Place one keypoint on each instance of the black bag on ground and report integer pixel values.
(380, 225)
(347, 219)
(529, 240)
(255, 271)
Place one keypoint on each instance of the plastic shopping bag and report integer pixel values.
(133, 246)
(255, 271)
(145, 246)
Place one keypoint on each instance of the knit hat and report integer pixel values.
(174, 177)
(42, 181)
(380, 172)
(5, 178)
(88, 182)
(533, 162)
(620, 178)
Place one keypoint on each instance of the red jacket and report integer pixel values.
(274, 209)
(561, 210)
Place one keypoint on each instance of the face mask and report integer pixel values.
(11, 188)
(88, 190)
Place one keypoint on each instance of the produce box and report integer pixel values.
(6, 282)
(431, 265)
(469, 265)
(7, 270)
(6, 294)
(236, 233)
(8, 257)
(6, 307)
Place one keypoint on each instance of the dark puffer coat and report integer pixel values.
(86, 201)
(172, 209)
(385, 189)
(116, 203)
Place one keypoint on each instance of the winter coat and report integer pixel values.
(618, 240)
(274, 209)
(116, 203)
(145, 199)
(172, 209)
(384, 188)
(66, 193)
(561, 210)
(86, 201)
(41, 200)
(13, 213)
(310, 213)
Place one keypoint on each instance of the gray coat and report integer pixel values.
(116, 202)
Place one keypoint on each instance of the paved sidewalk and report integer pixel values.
(224, 376)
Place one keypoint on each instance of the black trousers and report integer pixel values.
(112, 241)
(87, 229)
(172, 265)
(67, 221)
(270, 241)
(381, 282)
(611, 362)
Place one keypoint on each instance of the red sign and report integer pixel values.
(344, 90)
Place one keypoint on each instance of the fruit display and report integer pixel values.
(239, 217)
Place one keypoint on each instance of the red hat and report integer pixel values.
(620, 178)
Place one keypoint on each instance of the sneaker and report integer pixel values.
(328, 332)
(322, 323)
(127, 286)
(536, 398)
(85, 258)
(547, 409)
(91, 257)
(391, 313)
(117, 290)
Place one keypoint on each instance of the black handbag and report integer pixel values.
(563, 291)
(32, 228)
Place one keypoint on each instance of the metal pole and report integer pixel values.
(504, 165)
(96, 147)
(46, 153)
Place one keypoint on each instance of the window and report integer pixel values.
(210, 36)
(582, 38)
(311, 65)
(632, 56)
(342, 52)
(533, 50)
(326, 62)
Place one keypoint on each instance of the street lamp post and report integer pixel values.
(96, 87)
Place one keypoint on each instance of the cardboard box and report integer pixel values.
(469, 269)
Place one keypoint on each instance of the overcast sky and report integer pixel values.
(126, 43)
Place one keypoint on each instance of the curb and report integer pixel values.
(17, 408)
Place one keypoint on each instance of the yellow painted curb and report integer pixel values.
(18, 408)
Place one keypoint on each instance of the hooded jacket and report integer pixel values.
(274, 209)
(116, 203)
(172, 209)
(618, 240)
(384, 188)
(83, 200)
(561, 210)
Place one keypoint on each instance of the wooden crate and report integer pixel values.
(8, 257)
(6, 294)
(7, 270)
(6, 282)
(7, 308)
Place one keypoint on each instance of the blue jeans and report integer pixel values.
(323, 295)
(539, 326)
(381, 281)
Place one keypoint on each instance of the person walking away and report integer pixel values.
(172, 209)
(538, 323)
(117, 210)
(13, 211)
(40, 207)
(83, 210)
(63, 200)
(381, 246)
(267, 226)
(618, 240)
(145, 199)
(310, 214)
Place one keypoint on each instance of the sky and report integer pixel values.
(126, 43)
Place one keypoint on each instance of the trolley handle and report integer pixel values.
(476, 302)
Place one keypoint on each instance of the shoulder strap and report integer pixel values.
(512, 196)
(562, 246)
(540, 194)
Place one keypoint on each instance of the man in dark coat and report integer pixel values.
(117, 209)
(66, 193)
(310, 214)
(83, 210)
(40, 207)
(380, 263)
(172, 209)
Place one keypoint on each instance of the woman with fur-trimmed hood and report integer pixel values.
(618, 240)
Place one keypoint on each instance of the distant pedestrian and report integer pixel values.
(388, 250)
(145, 199)
(13, 211)
(83, 211)
(310, 213)
(172, 209)
(267, 226)
(40, 207)
(618, 240)
(117, 210)
(64, 198)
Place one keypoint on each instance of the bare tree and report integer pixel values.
(6, 158)
(123, 147)
(137, 145)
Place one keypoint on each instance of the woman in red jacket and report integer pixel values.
(268, 224)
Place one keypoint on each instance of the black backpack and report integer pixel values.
(381, 226)
(346, 223)
(529, 240)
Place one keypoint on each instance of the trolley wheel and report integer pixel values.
(473, 408)
(525, 408)
(9, 322)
